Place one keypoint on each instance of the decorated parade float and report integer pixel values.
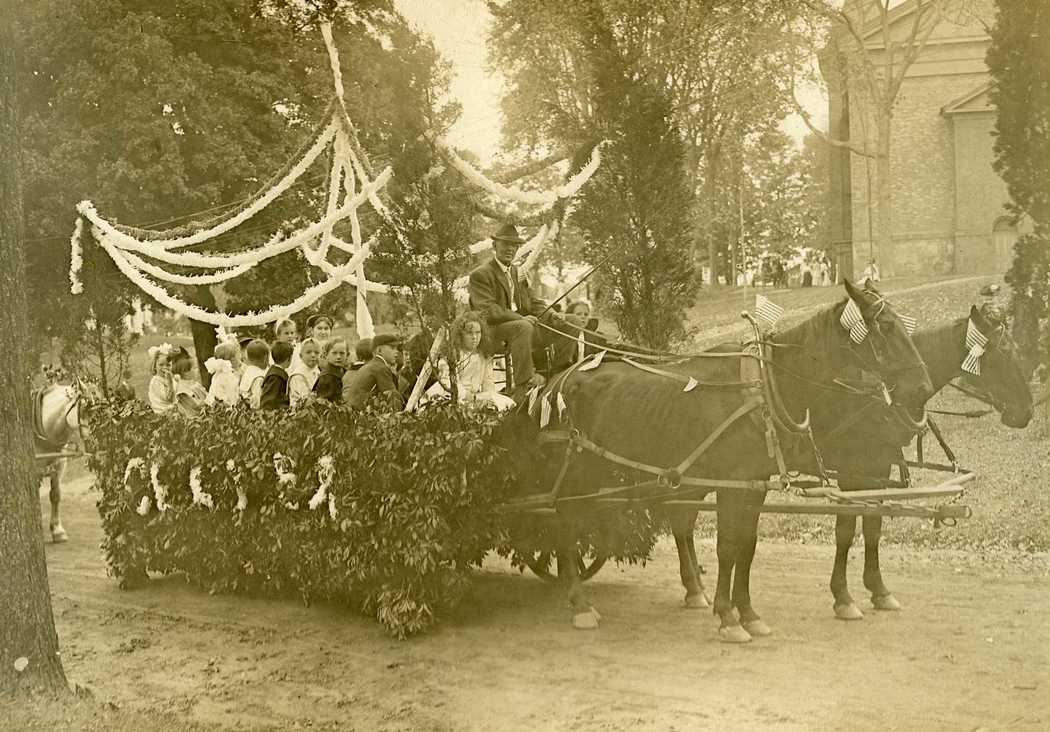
(392, 512)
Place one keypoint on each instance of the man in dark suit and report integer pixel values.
(274, 393)
(502, 295)
(375, 376)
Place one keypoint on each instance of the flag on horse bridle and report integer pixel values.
(767, 311)
(853, 321)
(975, 344)
(909, 324)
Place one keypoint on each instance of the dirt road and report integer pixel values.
(971, 650)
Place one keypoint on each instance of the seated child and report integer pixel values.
(161, 384)
(274, 394)
(250, 388)
(362, 353)
(474, 368)
(189, 395)
(303, 375)
(224, 378)
(329, 383)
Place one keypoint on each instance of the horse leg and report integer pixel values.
(730, 630)
(584, 616)
(682, 523)
(58, 534)
(881, 597)
(845, 608)
(742, 577)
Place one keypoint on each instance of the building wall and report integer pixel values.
(923, 157)
(946, 197)
(980, 196)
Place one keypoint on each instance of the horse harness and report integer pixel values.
(762, 403)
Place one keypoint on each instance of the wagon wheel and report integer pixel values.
(540, 564)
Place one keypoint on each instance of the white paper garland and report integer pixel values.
(76, 260)
(180, 279)
(102, 230)
(193, 312)
(255, 207)
(510, 193)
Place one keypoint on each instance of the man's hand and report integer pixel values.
(532, 319)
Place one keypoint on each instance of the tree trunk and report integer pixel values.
(710, 210)
(204, 340)
(883, 194)
(29, 657)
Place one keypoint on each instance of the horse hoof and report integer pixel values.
(885, 602)
(697, 602)
(758, 628)
(733, 634)
(848, 612)
(597, 615)
(58, 534)
(586, 620)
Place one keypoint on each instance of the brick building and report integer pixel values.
(948, 214)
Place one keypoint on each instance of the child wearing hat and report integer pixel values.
(377, 376)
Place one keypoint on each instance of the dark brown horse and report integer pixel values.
(622, 420)
(870, 446)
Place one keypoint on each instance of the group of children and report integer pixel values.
(283, 375)
(264, 376)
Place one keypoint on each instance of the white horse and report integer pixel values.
(57, 421)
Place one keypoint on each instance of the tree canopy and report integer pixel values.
(1019, 62)
(156, 111)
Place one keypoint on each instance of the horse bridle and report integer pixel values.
(78, 392)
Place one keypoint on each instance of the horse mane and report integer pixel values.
(941, 348)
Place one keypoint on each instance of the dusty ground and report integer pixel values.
(970, 650)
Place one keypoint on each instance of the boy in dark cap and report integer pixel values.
(376, 376)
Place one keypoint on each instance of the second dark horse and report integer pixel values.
(636, 416)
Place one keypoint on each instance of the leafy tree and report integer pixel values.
(154, 111)
(1019, 62)
(582, 85)
(29, 659)
(724, 65)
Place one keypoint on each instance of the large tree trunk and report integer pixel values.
(883, 194)
(29, 657)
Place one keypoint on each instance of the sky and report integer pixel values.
(459, 27)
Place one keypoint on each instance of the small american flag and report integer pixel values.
(853, 321)
(975, 343)
(909, 323)
(767, 310)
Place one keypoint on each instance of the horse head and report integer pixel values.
(1001, 375)
(83, 396)
(880, 343)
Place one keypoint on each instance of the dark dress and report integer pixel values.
(329, 384)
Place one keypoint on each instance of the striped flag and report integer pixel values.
(975, 343)
(909, 323)
(853, 321)
(767, 310)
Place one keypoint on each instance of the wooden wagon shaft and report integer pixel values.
(888, 494)
(938, 513)
(56, 456)
(847, 509)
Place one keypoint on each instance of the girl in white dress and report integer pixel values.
(303, 375)
(224, 376)
(161, 390)
(475, 383)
